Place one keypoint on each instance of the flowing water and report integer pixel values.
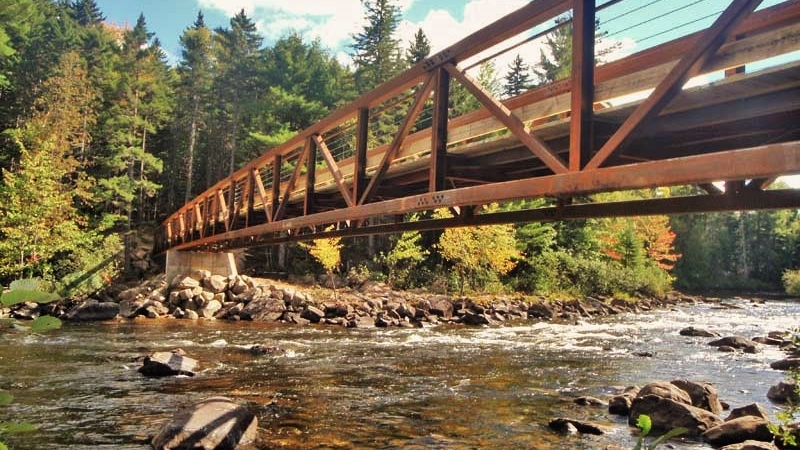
(444, 387)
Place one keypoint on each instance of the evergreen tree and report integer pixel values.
(237, 86)
(17, 18)
(195, 73)
(86, 12)
(419, 48)
(518, 78)
(462, 101)
(376, 51)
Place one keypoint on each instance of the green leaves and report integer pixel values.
(45, 323)
(645, 424)
(18, 296)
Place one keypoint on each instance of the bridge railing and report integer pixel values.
(340, 161)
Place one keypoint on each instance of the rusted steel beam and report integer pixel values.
(276, 187)
(581, 103)
(333, 168)
(309, 201)
(391, 153)
(301, 158)
(504, 115)
(360, 157)
(262, 194)
(688, 66)
(757, 162)
(222, 210)
(757, 200)
(438, 159)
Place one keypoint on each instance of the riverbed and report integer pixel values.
(441, 387)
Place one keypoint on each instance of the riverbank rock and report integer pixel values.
(665, 390)
(751, 445)
(783, 392)
(621, 404)
(91, 310)
(738, 430)
(165, 364)
(667, 414)
(217, 423)
(703, 395)
(753, 409)
(786, 364)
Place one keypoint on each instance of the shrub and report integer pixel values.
(791, 281)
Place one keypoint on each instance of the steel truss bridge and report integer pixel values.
(400, 148)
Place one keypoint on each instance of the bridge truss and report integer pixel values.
(346, 175)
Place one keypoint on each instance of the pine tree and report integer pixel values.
(195, 72)
(419, 48)
(237, 84)
(86, 12)
(518, 78)
(376, 52)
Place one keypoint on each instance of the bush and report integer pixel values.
(791, 281)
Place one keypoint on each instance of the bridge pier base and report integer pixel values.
(186, 262)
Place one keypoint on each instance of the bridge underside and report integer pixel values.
(731, 138)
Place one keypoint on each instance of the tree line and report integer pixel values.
(102, 137)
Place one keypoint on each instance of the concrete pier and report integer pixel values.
(186, 262)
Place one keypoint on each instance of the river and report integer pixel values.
(444, 387)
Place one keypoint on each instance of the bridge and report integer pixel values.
(626, 124)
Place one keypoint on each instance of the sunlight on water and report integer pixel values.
(447, 387)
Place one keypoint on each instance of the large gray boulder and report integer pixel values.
(263, 308)
(738, 430)
(666, 390)
(703, 395)
(667, 414)
(216, 423)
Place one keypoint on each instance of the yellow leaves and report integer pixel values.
(326, 250)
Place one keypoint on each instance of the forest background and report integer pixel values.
(102, 138)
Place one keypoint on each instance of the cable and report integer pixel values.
(658, 17)
(679, 26)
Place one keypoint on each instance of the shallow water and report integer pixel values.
(445, 387)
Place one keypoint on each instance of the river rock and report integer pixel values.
(665, 390)
(737, 342)
(93, 310)
(441, 305)
(753, 409)
(703, 395)
(783, 392)
(751, 445)
(312, 313)
(263, 308)
(26, 311)
(209, 309)
(215, 284)
(621, 404)
(786, 364)
(700, 332)
(183, 282)
(739, 430)
(588, 401)
(564, 426)
(213, 424)
(667, 414)
(165, 364)
(766, 340)
(541, 310)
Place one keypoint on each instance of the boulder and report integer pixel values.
(93, 310)
(216, 423)
(738, 430)
(766, 340)
(263, 308)
(26, 311)
(783, 392)
(313, 314)
(588, 401)
(751, 445)
(184, 282)
(667, 414)
(753, 409)
(737, 342)
(165, 364)
(692, 331)
(621, 404)
(215, 284)
(441, 305)
(786, 364)
(563, 425)
(209, 309)
(703, 395)
(665, 390)
(541, 310)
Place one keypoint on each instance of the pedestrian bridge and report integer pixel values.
(631, 123)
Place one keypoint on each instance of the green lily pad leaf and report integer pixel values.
(3, 446)
(11, 427)
(5, 398)
(45, 323)
(21, 295)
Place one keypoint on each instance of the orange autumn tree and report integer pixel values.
(654, 232)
